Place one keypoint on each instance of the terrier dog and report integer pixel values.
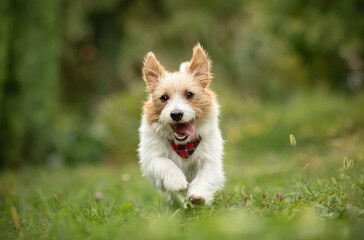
(181, 147)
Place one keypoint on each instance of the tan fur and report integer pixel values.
(152, 71)
(161, 82)
(200, 66)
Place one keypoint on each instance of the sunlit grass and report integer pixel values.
(287, 178)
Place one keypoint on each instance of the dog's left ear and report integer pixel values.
(200, 66)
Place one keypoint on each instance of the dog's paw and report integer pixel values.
(197, 200)
(175, 182)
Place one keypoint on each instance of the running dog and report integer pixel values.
(181, 147)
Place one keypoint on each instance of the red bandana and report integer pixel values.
(187, 149)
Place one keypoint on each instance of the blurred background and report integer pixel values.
(70, 73)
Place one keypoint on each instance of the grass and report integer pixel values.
(275, 190)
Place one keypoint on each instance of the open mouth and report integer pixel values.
(183, 130)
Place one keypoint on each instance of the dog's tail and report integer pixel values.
(183, 66)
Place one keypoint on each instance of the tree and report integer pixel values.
(29, 78)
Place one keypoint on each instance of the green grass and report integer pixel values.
(274, 190)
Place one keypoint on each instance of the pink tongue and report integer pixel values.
(184, 128)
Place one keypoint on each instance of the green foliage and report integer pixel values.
(326, 36)
(29, 81)
(63, 59)
(116, 124)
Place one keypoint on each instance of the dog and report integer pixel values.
(181, 147)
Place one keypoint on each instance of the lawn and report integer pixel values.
(307, 186)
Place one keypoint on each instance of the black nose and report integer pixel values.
(176, 115)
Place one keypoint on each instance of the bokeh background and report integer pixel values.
(70, 72)
(289, 76)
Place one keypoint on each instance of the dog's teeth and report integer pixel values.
(179, 136)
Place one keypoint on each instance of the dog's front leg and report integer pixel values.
(209, 179)
(166, 174)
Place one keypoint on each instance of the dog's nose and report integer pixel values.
(176, 115)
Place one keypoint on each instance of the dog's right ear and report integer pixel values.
(152, 71)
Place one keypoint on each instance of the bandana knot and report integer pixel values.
(187, 149)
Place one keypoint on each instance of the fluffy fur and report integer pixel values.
(201, 175)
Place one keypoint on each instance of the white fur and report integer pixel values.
(177, 102)
(183, 66)
(200, 175)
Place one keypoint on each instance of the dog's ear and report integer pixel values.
(200, 66)
(152, 71)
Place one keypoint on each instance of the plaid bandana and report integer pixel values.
(187, 149)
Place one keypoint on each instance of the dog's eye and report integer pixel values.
(189, 95)
(164, 98)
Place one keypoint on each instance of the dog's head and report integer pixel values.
(178, 99)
